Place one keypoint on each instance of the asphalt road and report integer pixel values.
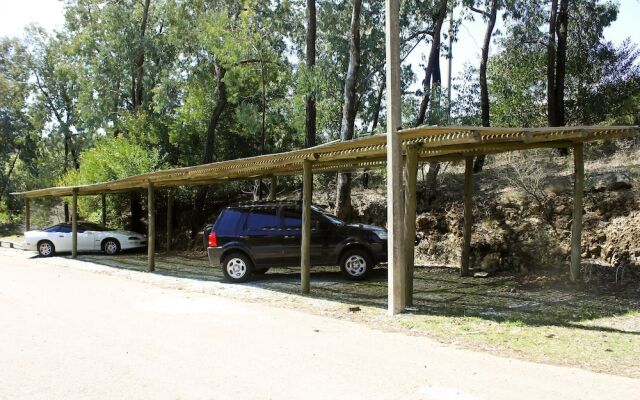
(66, 333)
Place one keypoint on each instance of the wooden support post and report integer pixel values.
(468, 216)
(27, 214)
(395, 214)
(411, 177)
(169, 219)
(576, 224)
(103, 198)
(151, 228)
(305, 262)
(273, 188)
(74, 224)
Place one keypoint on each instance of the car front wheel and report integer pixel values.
(111, 247)
(356, 264)
(237, 267)
(46, 249)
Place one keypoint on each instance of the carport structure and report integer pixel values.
(417, 145)
(400, 150)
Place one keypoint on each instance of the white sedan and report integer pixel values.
(91, 237)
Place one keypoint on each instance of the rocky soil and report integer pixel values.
(523, 217)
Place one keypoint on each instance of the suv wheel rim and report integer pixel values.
(355, 265)
(45, 249)
(111, 247)
(236, 268)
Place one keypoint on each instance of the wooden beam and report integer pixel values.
(439, 142)
(396, 302)
(151, 228)
(103, 198)
(74, 224)
(273, 187)
(27, 214)
(169, 219)
(411, 177)
(468, 216)
(305, 262)
(576, 224)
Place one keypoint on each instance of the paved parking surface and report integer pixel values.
(70, 333)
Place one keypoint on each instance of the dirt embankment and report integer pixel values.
(522, 219)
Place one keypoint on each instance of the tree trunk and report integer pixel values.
(139, 64)
(209, 151)
(374, 125)
(551, 64)
(432, 75)
(343, 195)
(136, 212)
(433, 62)
(561, 62)
(376, 113)
(484, 89)
(310, 99)
(8, 178)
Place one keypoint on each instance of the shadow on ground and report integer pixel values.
(438, 291)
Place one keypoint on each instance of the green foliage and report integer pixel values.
(69, 96)
(110, 158)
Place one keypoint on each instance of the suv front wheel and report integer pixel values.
(237, 267)
(356, 264)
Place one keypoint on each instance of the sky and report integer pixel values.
(15, 15)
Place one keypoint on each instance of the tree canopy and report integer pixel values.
(129, 86)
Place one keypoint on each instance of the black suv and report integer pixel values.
(249, 238)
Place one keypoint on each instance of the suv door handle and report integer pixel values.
(289, 236)
(243, 237)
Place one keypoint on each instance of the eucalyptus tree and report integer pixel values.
(488, 10)
(15, 124)
(432, 83)
(519, 75)
(349, 109)
(310, 63)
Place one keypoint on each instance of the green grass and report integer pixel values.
(542, 320)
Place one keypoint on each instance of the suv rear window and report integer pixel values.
(262, 218)
(228, 221)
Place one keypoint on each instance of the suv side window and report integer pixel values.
(262, 218)
(228, 222)
(292, 218)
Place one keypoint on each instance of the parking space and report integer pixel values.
(438, 290)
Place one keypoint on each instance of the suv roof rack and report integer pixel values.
(267, 203)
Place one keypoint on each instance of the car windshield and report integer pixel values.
(332, 218)
(88, 226)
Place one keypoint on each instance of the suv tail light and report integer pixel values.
(213, 240)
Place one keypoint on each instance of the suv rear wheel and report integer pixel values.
(237, 267)
(356, 264)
